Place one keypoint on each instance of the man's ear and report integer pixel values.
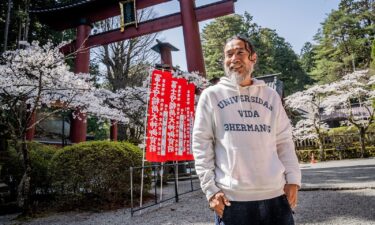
(254, 57)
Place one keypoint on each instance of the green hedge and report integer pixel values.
(40, 156)
(343, 130)
(86, 175)
(349, 130)
(96, 173)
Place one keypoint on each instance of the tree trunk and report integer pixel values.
(24, 189)
(19, 37)
(27, 21)
(4, 143)
(321, 149)
(362, 138)
(7, 22)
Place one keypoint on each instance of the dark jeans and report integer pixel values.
(275, 211)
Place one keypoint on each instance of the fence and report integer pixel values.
(167, 182)
(336, 147)
(335, 141)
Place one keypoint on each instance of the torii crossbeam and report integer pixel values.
(81, 14)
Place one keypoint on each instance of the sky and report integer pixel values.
(295, 20)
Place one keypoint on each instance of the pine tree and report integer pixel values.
(344, 41)
(275, 55)
(373, 55)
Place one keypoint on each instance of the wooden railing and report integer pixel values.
(335, 141)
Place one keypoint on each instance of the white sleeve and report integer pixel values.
(203, 146)
(285, 147)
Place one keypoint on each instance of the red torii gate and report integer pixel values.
(82, 13)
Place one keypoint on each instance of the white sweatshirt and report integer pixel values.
(242, 142)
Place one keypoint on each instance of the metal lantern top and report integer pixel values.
(157, 48)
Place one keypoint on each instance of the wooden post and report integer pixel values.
(165, 50)
(113, 131)
(166, 56)
(31, 132)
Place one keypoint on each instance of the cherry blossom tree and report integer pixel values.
(310, 103)
(35, 77)
(350, 97)
(307, 129)
(199, 81)
(353, 96)
(132, 102)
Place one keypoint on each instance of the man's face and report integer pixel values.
(237, 61)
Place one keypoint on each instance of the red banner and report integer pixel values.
(158, 116)
(178, 87)
(170, 118)
(189, 122)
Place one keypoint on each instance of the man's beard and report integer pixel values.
(235, 77)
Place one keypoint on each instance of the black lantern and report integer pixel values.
(128, 14)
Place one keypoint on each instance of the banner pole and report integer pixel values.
(177, 173)
(161, 182)
(131, 190)
(144, 138)
(176, 181)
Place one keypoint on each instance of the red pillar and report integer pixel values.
(193, 47)
(31, 132)
(78, 127)
(113, 131)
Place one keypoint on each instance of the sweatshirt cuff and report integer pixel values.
(211, 191)
(293, 180)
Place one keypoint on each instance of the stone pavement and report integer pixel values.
(336, 175)
(336, 192)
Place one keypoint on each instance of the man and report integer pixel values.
(243, 148)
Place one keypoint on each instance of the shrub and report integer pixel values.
(349, 130)
(40, 157)
(343, 130)
(96, 173)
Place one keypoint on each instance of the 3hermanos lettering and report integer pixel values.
(243, 98)
(247, 127)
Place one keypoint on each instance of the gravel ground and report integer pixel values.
(344, 174)
(316, 207)
(336, 207)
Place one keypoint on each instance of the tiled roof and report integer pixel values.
(60, 6)
(273, 82)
